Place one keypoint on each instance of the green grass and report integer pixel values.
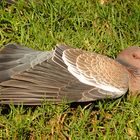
(89, 25)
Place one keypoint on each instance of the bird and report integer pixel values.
(67, 74)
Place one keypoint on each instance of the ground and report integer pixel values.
(105, 27)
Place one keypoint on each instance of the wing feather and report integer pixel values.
(97, 70)
(30, 77)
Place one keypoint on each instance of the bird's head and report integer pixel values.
(130, 58)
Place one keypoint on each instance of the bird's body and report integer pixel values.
(29, 77)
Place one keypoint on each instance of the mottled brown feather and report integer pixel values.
(30, 77)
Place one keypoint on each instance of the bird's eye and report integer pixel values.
(136, 56)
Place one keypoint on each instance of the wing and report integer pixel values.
(30, 77)
(97, 70)
(15, 59)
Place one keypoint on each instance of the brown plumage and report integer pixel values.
(29, 77)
